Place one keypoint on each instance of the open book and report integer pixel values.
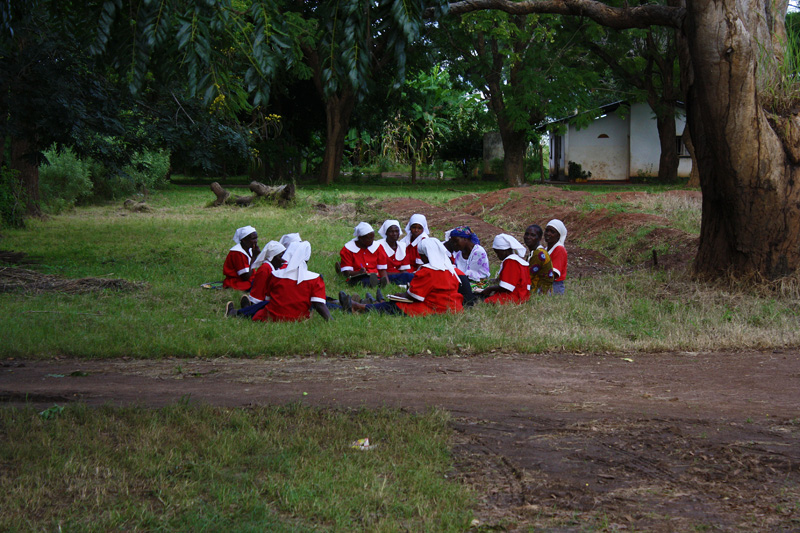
(395, 298)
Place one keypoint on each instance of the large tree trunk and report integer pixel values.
(23, 161)
(751, 187)
(338, 109)
(514, 145)
(668, 161)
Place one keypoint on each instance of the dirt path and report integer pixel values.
(657, 442)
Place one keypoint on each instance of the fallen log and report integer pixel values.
(282, 194)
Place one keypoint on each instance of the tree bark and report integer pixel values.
(514, 145)
(751, 187)
(667, 135)
(338, 109)
(22, 160)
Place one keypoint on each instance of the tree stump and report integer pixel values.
(282, 194)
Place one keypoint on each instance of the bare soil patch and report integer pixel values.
(556, 442)
(512, 210)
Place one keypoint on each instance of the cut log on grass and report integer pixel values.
(282, 194)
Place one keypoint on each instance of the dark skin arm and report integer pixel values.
(488, 291)
(353, 273)
(322, 310)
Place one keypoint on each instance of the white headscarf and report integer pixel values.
(562, 232)
(272, 249)
(243, 232)
(447, 235)
(506, 242)
(388, 224)
(437, 254)
(289, 238)
(362, 229)
(422, 221)
(296, 256)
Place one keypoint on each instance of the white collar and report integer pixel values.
(398, 254)
(407, 239)
(238, 248)
(353, 247)
(518, 259)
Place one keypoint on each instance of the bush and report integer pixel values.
(576, 172)
(64, 180)
(148, 169)
(12, 199)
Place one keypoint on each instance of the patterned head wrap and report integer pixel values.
(466, 233)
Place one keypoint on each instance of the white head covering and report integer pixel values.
(243, 232)
(272, 249)
(296, 256)
(447, 235)
(289, 238)
(506, 242)
(422, 221)
(362, 229)
(388, 224)
(561, 229)
(437, 254)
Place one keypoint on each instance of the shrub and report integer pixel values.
(64, 180)
(148, 169)
(576, 172)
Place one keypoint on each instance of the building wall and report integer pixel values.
(601, 148)
(616, 148)
(645, 146)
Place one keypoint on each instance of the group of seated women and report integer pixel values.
(437, 276)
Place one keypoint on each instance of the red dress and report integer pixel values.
(290, 301)
(413, 254)
(437, 291)
(514, 277)
(558, 256)
(395, 265)
(259, 286)
(236, 263)
(370, 259)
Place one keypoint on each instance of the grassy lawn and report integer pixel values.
(182, 244)
(198, 468)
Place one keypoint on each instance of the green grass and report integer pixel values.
(181, 244)
(191, 468)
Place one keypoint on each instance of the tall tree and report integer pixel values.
(746, 136)
(524, 66)
(646, 60)
(348, 45)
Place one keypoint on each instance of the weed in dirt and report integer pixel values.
(192, 467)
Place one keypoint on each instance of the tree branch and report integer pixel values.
(619, 18)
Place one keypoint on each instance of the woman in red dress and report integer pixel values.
(514, 280)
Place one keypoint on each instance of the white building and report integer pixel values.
(620, 144)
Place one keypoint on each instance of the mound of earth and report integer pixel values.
(585, 215)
